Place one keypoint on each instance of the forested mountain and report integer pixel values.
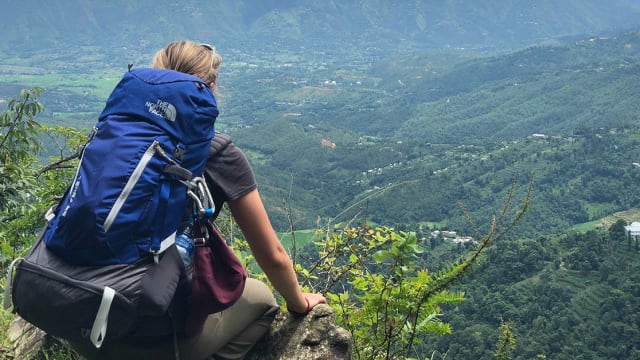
(577, 178)
(413, 133)
(567, 297)
(334, 26)
(447, 98)
(464, 141)
(395, 111)
(550, 89)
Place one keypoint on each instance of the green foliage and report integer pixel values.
(18, 143)
(380, 289)
(383, 300)
(576, 299)
(59, 351)
(617, 231)
(506, 342)
(27, 189)
(36, 191)
(409, 183)
(18, 185)
(5, 320)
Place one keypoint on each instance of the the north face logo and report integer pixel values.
(162, 109)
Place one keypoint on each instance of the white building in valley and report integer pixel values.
(633, 229)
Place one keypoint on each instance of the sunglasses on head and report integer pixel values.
(212, 49)
(208, 47)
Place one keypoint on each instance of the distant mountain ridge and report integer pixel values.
(408, 24)
(556, 89)
(551, 89)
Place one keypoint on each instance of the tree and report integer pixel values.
(617, 231)
(18, 144)
(28, 189)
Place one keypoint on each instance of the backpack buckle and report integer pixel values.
(199, 241)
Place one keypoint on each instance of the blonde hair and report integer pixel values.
(189, 57)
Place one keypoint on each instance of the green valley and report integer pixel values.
(418, 133)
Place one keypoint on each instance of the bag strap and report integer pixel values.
(99, 329)
(207, 234)
(8, 285)
(219, 142)
(199, 238)
(176, 343)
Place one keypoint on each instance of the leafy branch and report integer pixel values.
(379, 290)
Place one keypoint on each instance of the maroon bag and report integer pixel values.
(218, 277)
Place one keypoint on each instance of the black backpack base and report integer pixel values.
(100, 303)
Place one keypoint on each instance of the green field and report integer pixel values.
(628, 215)
(302, 238)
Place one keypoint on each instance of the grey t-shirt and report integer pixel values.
(228, 173)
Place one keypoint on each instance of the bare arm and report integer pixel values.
(252, 218)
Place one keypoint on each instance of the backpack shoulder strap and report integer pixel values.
(219, 142)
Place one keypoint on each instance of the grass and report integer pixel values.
(302, 238)
(97, 84)
(629, 216)
(5, 320)
(584, 227)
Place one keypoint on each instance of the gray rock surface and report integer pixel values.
(312, 337)
(25, 340)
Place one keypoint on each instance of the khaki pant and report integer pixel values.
(229, 334)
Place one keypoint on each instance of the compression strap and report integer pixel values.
(99, 329)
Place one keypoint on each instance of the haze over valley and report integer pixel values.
(395, 113)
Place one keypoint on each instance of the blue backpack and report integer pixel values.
(106, 259)
(129, 194)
